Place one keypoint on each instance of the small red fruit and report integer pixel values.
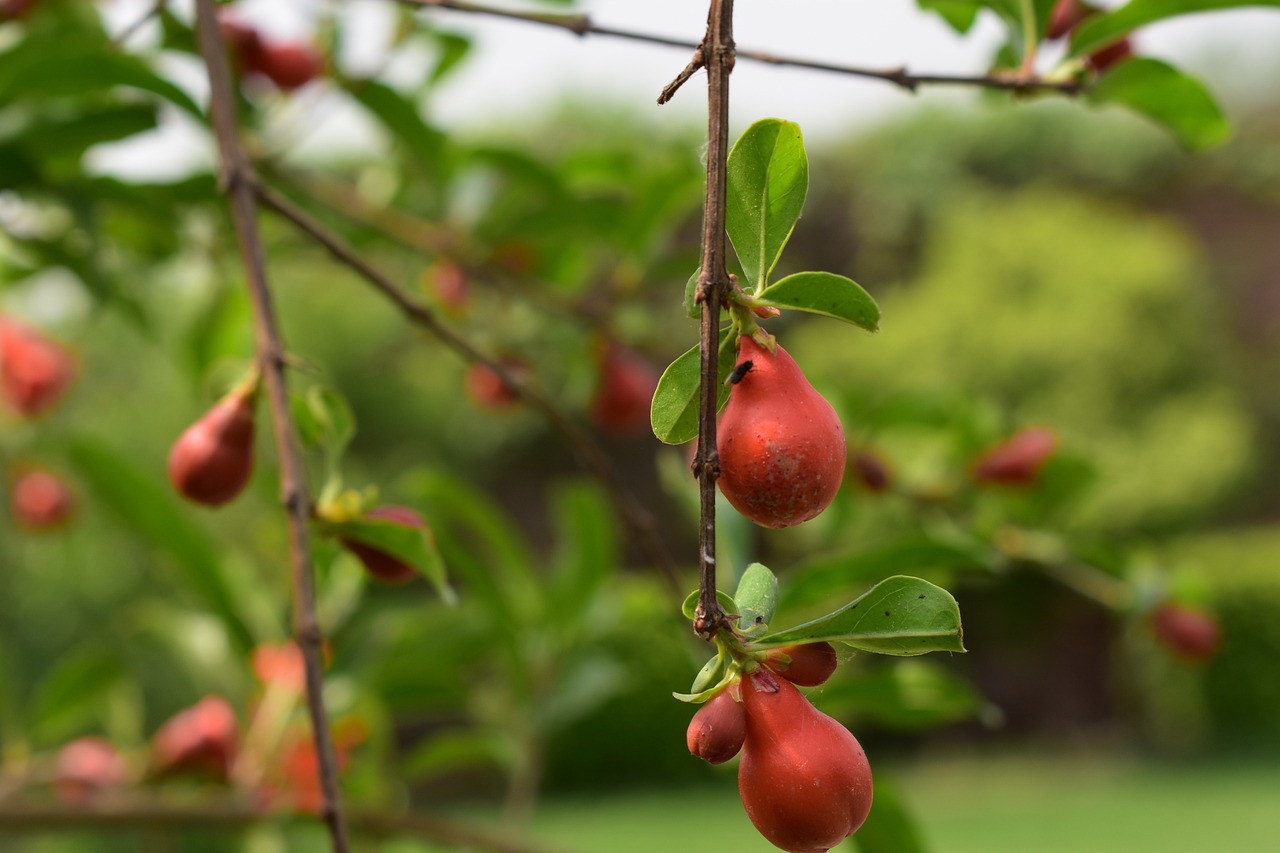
(450, 283)
(34, 371)
(280, 665)
(211, 461)
(85, 768)
(625, 391)
(1066, 16)
(871, 471)
(1189, 633)
(13, 9)
(487, 389)
(290, 65)
(380, 564)
(41, 501)
(804, 779)
(202, 739)
(1017, 460)
(1111, 55)
(718, 729)
(782, 451)
(243, 42)
(808, 665)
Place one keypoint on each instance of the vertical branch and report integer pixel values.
(713, 283)
(239, 185)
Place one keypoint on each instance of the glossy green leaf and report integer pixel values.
(757, 597)
(890, 827)
(824, 293)
(410, 545)
(674, 412)
(690, 606)
(898, 616)
(768, 177)
(1101, 30)
(1169, 97)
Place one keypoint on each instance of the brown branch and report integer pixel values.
(636, 519)
(713, 284)
(132, 29)
(239, 184)
(582, 25)
(234, 817)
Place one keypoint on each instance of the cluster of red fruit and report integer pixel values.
(205, 741)
(289, 65)
(35, 374)
(804, 780)
(1069, 14)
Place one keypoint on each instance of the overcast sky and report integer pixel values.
(517, 67)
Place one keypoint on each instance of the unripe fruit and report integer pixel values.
(1187, 632)
(34, 371)
(718, 729)
(808, 665)
(804, 779)
(211, 461)
(1017, 460)
(782, 450)
(1103, 59)
(290, 65)
(41, 501)
(202, 739)
(380, 564)
(625, 391)
(85, 768)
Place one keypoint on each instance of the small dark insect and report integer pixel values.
(736, 375)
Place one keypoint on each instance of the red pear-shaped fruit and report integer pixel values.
(782, 450)
(804, 779)
(1189, 633)
(41, 501)
(211, 461)
(718, 729)
(202, 739)
(808, 665)
(380, 564)
(34, 371)
(625, 391)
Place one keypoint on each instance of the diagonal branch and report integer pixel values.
(582, 25)
(638, 521)
(239, 183)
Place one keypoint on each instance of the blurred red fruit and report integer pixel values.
(1017, 460)
(808, 665)
(487, 389)
(202, 739)
(290, 65)
(243, 41)
(718, 729)
(281, 664)
(380, 564)
(1189, 633)
(1066, 16)
(85, 768)
(624, 391)
(296, 781)
(211, 461)
(34, 371)
(450, 283)
(871, 471)
(13, 9)
(41, 501)
(1110, 56)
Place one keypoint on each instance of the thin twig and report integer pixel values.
(637, 520)
(237, 174)
(132, 29)
(713, 284)
(582, 25)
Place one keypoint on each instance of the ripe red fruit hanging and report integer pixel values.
(808, 665)
(624, 392)
(1103, 59)
(211, 461)
(718, 729)
(804, 779)
(290, 65)
(487, 389)
(202, 739)
(380, 564)
(34, 371)
(41, 501)
(1017, 460)
(782, 450)
(85, 768)
(871, 471)
(1188, 632)
(1066, 16)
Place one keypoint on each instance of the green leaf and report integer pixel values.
(690, 606)
(710, 674)
(1169, 97)
(324, 418)
(909, 695)
(890, 827)
(71, 135)
(757, 597)
(898, 616)
(450, 752)
(400, 116)
(768, 177)
(411, 545)
(674, 412)
(587, 551)
(959, 14)
(1101, 30)
(71, 694)
(824, 293)
(691, 308)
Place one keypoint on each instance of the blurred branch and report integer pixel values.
(233, 817)
(637, 520)
(582, 25)
(239, 183)
(132, 29)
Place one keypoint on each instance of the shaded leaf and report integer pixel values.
(909, 695)
(71, 694)
(1169, 97)
(411, 545)
(674, 411)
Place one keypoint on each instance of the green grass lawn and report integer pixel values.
(969, 805)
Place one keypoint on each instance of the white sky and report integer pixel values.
(516, 67)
